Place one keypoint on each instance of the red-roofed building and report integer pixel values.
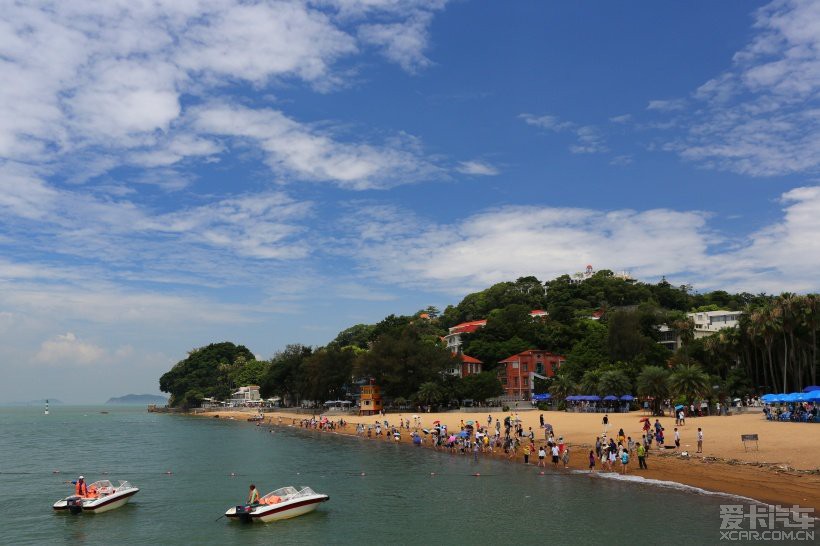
(518, 371)
(453, 338)
(464, 365)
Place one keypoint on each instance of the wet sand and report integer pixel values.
(784, 470)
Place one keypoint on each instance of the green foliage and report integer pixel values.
(654, 381)
(206, 372)
(327, 373)
(430, 394)
(401, 360)
(614, 382)
(482, 386)
(285, 376)
(690, 382)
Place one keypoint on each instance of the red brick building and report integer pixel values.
(464, 365)
(517, 372)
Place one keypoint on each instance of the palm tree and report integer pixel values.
(764, 326)
(653, 381)
(589, 381)
(614, 382)
(562, 386)
(690, 382)
(430, 394)
(811, 318)
(784, 310)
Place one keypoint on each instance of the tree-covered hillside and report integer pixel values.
(607, 327)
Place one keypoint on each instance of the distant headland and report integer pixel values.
(138, 399)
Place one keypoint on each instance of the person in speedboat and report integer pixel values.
(80, 487)
(253, 495)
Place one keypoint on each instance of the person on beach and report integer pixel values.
(529, 450)
(605, 422)
(489, 420)
(253, 495)
(641, 457)
(630, 445)
(613, 455)
(542, 453)
(624, 461)
(598, 447)
(541, 419)
(565, 457)
(681, 418)
(555, 456)
(658, 426)
(677, 438)
(621, 436)
(700, 441)
(591, 461)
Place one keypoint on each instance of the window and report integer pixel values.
(524, 368)
(515, 365)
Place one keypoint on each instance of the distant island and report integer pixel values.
(139, 399)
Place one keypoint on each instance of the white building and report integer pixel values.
(248, 394)
(709, 322)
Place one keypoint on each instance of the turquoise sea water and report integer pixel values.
(397, 500)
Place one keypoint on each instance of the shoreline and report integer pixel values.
(763, 482)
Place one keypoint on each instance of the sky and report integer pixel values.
(178, 173)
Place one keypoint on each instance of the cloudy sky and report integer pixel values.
(183, 172)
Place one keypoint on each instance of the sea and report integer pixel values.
(191, 469)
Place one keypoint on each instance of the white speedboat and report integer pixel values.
(284, 503)
(102, 497)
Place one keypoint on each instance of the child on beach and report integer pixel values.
(565, 457)
(591, 461)
(542, 453)
(624, 461)
(700, 441)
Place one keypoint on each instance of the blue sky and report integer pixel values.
(173, 174)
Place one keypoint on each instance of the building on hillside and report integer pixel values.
(249, 394)
(370, 399)
(668, 337)
(464, 365)
(518, 372)
(706, 323)
(453, 337)
(589, 272)
(710, 322)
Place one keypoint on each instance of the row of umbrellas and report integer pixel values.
(593, 398)
(809, 394)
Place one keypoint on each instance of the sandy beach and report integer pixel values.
(784, 470)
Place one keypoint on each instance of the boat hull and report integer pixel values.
(99, 505)
(287, 510)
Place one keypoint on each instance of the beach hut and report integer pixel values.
(370, 399)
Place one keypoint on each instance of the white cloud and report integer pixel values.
(666, 105)
(312, 154)
(762, 116)
(513, 241)
(474, 252)
(478, 168)
(589, 138)
(109, 78)
(621, 160)
(624, 118)
(404, 43)
(66, 350)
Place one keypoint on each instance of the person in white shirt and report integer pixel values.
(677, 438)
(700, 441)
(555, 455)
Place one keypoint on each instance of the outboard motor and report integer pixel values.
(75, 504)
(243, 512)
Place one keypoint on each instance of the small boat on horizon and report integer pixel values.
(102, 497)
(283, 503)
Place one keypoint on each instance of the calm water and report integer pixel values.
(397, 501)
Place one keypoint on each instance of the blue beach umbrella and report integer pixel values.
(610, 398)
(768, 397)
(680, 406)
(627, 398)
(812, 388)
(813, 396)
(593, 398)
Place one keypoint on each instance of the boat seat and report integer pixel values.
(271, 500)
